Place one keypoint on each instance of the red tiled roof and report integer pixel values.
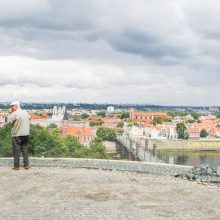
(148, 125)
(150, 113)
(111, 120)
(217, 129)
(78, 131)
(194, 130)
(33, 116)
(167, 127)
(210, 122)
(44, 115)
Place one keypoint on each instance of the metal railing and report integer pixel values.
(137, 149)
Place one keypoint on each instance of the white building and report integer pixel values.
(58, 113)
(110, 109)
(214, 109)
(57, 118)
(158, 132)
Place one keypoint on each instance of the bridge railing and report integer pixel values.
(137, 149)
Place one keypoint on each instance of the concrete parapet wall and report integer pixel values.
(134, 166)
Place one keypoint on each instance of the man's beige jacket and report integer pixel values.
(20, 121)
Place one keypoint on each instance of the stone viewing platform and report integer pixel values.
(58, 189)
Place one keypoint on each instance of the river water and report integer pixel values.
(191, 158)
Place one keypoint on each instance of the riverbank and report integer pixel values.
(200, 145)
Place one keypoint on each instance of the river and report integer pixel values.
(191, 158)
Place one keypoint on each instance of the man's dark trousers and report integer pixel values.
(20, 144)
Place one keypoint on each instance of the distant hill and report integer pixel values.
(96, 106)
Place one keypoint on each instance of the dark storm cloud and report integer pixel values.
(147, 46)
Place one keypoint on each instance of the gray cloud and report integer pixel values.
(153, 51)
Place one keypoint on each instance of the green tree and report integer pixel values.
(106, 134)
(195, 115)
(172, 114)
(77, 118)
(74, 148)
(191, 121)
(120, 124)
(97, 149)
(167, 119)
(124, 115)
(182, 131)
(50, 143)
(51, 126)
(84, 115)
(101, 113)
(204, 133)
(5, 141)
(58, 148)
(130, 123)
(45, 143)
(184, 113)
(157, 121)
(95, 123)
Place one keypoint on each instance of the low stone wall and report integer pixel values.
(134, 166)
(203, 174)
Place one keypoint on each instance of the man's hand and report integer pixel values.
(10, 110)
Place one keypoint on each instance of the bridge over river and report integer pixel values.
(137, 149)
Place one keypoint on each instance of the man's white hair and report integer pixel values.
(16, 103)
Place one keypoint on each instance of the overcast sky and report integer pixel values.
(113, 51)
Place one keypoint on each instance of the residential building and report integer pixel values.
(194, 133)
(217, 132)
(146, 116)
(155, 132)
(84, 135)
(111, 122)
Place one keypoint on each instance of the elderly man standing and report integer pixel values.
(20, 121)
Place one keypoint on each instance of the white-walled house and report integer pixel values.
(155, 132)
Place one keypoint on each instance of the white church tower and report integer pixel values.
(58, 113)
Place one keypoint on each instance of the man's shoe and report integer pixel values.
(15, 168)
(26, 167)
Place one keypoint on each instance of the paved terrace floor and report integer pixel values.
(65, 193)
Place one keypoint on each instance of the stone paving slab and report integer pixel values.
(65, 193)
